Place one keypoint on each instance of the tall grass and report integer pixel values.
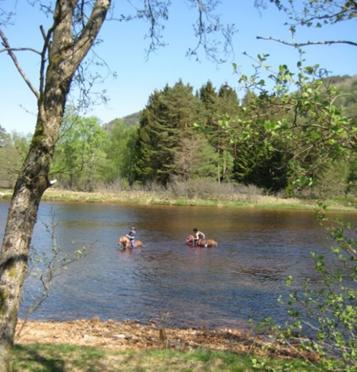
(202, 188)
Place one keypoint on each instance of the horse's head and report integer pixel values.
(123, 240)
(189, 239)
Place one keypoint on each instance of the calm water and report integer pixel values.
(168, 281)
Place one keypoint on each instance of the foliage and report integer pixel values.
(168, 116)
(334, 181)
(316, 13)
(323, 316)
(79, 160)
(195, 159)
(3, 136)
(219, 109)
(298, 137)
(306, 124)
(346, 99)
(261, 154)
(185, 135)
(13, 149)
(119, 151)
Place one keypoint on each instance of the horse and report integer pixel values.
(202, 243)
(124, 241)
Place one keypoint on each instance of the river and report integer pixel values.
(167, 281)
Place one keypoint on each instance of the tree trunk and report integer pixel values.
(65, 53)
(21, 219)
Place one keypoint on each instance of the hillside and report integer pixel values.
(128, 120)
(347, 86)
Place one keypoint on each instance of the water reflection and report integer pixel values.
(166, 280)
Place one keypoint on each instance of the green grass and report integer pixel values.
(50, 357)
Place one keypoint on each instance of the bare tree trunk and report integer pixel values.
(62, 53)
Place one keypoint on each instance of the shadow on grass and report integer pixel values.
(27, 357)
(54, 358)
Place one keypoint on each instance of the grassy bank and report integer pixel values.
(245, 200)
(62, 357)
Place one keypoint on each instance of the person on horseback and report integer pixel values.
(197, 235)
(131, 236)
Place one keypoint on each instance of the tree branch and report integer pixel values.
(90, 31)
(308, 43)
(334, 17)
(12, 55)
(208, 23)
(6, 50)
(45, 48)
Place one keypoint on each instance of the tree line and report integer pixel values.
(294, 142)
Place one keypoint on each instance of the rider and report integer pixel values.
(197, 235)
(131, 236)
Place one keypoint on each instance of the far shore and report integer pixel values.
(164, 199)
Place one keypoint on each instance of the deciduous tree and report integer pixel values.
(63, 50)
(80, 158)
(72, 33)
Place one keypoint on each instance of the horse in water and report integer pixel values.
(124, 241)
(202, 243)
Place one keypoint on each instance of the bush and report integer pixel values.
(323, 316)
(208, 188)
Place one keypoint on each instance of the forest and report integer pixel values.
(288, 142)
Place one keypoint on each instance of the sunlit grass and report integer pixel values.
(48, 357)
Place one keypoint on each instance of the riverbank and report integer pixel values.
(109, 345)
(161, 198)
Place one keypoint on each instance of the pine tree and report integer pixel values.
(228, 103)
(221, 110)
(168, 117)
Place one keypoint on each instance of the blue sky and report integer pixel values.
(123, 49)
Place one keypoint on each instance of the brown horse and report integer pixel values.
(124, 241)
(202, 243)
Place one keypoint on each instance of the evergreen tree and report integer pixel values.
(228, 103)
(221, 110)
(209, 98)
(168, 117)
(261, 157)
(197, 158)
